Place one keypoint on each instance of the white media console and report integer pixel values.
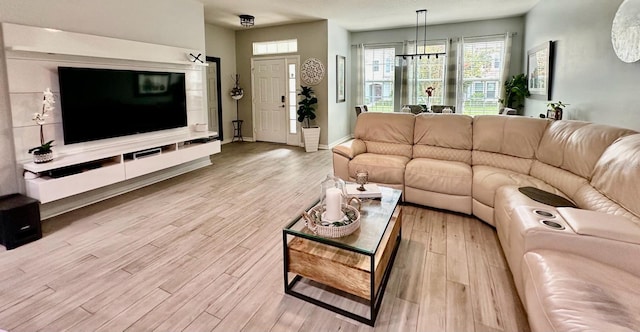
(85, 173)
(76, 173)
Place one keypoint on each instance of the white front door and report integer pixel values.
(269, 78)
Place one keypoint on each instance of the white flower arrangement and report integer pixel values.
(48, 101)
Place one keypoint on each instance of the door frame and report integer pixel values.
(292, 139)
(216, 60)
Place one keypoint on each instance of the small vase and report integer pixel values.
(41, 158)
(558, 114)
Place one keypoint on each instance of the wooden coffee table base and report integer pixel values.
(343, 268)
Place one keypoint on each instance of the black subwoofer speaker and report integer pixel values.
(19, 220)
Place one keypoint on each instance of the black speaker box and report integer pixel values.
(19, 220)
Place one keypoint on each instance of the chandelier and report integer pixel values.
(247, 21)
(421, 12)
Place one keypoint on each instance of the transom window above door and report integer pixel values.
(275, 47)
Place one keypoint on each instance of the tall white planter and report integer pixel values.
(311, 138)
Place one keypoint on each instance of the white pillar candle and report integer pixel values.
(333, 199)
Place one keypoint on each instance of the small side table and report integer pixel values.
(237, 131)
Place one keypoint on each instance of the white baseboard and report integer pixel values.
(340, 141)
(245, 139)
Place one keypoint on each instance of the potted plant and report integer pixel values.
(237, 92)
(516, 90)
(555, 110)
(307, 112)
(43, 153)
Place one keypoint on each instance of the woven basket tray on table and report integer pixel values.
(333, 229)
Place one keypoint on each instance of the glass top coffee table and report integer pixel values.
(358, 264)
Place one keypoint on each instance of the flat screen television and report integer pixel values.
(105, 103)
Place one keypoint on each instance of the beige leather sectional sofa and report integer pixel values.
(574, 268)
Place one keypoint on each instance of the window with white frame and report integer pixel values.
(388, 65)
(430, 72)
(378, 84)
(293, 98)
(482, 61)
(479, 65)
(275, 47)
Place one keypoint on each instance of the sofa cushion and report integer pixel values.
(440, 176)
(381, 168)
(503, 161)
(617, 173)
(384, 148)
(564, 180)
(443, 136)
(386, 133)
(510, 135)
(589, 198)
(576, 146)
(487, 179)
(566, 292)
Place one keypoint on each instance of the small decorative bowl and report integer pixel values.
(333, 229)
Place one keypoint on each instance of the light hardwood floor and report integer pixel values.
(203, 252)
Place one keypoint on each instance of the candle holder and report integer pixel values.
(362, 178)
(334, 216)
(332, 197)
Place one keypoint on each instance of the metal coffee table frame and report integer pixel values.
(375, 298)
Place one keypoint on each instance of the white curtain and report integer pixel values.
(506, 62)
(407, 74)
(452, 72)
(359, 56)
(459, 61)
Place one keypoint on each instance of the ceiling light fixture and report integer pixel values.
(247, 21)
(424, 40)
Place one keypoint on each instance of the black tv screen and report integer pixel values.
(105, 103)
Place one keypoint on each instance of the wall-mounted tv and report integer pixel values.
(105, 103)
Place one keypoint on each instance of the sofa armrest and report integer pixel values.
(350, 149)
(603, 225)
(342, 155)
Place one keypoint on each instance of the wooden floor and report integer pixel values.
(203, 252)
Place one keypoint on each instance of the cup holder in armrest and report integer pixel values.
(543, 213)
(552, 224)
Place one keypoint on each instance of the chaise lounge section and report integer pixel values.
(479, 165)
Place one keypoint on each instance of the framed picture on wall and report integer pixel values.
(341, 72)
(540, 70)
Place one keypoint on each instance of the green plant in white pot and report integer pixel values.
(307, 112)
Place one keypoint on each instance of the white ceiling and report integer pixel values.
(359, 15)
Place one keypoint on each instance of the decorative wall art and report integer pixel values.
(312, 71)
(540, 70)
(341, 74)
(625, 31)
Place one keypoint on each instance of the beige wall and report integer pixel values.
(339, 113)
(141, 20)
(221, 44)
(587, 75)
(312, 43)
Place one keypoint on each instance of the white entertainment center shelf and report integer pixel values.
(75, 173)
(27, 39)
(93, 170)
